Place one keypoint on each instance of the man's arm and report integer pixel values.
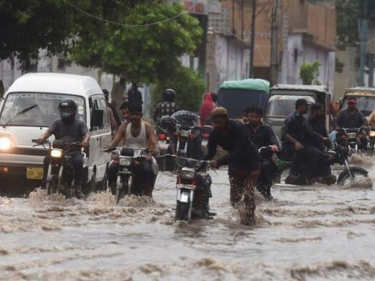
(151, 138)
(211, 145)
(119, 135)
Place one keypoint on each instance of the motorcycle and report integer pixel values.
(193, 181)
(126, 159)
(339, 155)
(60, 174)
(267, 178)
(370, 147)
(356, 138)
(193, 190)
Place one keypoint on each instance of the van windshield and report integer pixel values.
(364, 104)
(283, 105)
(236, 100)
(36, 109)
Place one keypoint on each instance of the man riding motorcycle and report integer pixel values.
(351, 117)
(317, 138)
(69, 129)
(166, 107)
(189, 119)
(262, 135)
(137, 134)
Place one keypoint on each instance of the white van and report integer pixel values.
(31, 105)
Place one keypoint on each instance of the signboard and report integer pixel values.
(199, 7)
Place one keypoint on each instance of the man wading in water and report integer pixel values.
(243, 160)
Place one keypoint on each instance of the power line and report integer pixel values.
(132, 25)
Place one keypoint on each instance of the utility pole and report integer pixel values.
(275, 42)
(363, 42)
(252, 39)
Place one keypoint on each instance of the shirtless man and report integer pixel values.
(137, 134)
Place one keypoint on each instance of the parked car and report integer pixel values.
(282, 98)
(235, 96)
(29, 108)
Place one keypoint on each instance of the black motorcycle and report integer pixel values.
(193, 181)
(193, 189)
(126, 182)
(357, 139)
(339, 155)
(60, 174)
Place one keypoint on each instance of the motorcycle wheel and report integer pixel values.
(120, 192)
(283, 172)
(182, 211)
(357, 172)
(51, 186)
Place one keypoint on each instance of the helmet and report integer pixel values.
(68, 110)
(169, 95)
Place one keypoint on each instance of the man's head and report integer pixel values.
(301, 106)
(254, 115)
(317, 110)
(68, 110)
(125, 111)
(220, 118)
(352, 103)
(169, 95)
(135, 111)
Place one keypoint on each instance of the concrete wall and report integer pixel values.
(298, 52)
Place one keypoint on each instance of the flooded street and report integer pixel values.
(308, 233)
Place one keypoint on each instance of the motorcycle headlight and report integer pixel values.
(125, 161)
(56, 153)
(5, 143)
(184, 133)
(352, 135)
(372, 134)
(187, 174)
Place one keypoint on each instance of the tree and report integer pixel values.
(189, 87)
(135, 44)
(26, 26)
(309, 72)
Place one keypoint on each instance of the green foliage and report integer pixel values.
(309, 72)
(144, 51)
(118, 36)
(189, 87)
(26, 26)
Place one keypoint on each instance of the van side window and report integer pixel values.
(96, 115)
(99, 114)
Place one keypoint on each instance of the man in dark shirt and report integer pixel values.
(243, 160)
(69, 129)
(315, 140)
(292, 135)
(264, 137)
(351, 117)
(134, 95)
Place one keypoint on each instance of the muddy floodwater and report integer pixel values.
(307, 233)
